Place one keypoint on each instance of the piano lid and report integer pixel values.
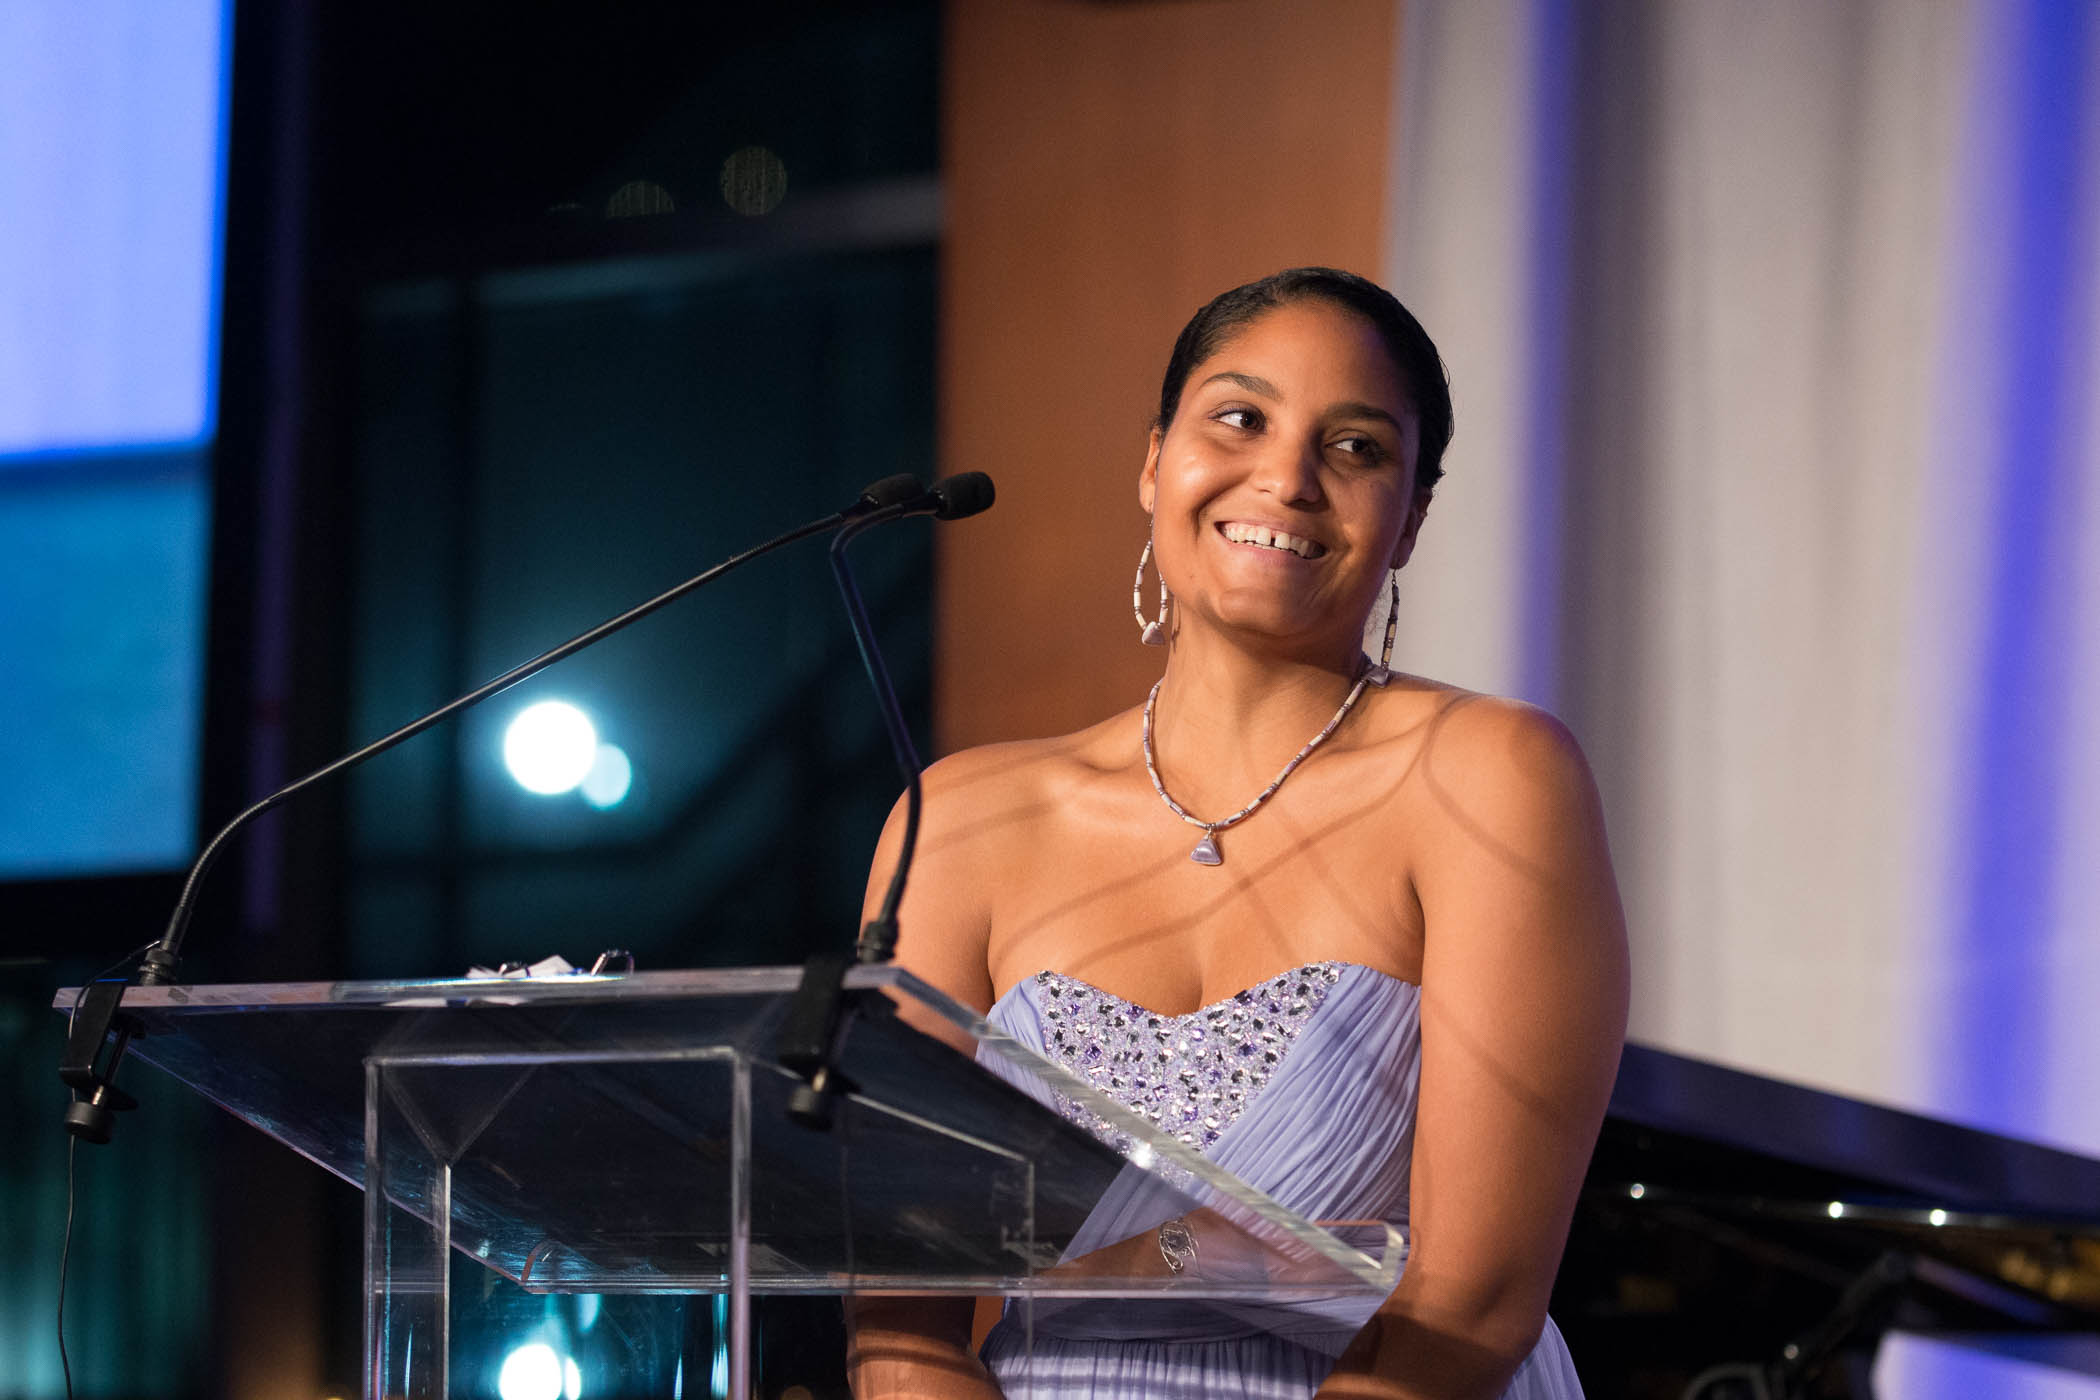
(1734, 1225)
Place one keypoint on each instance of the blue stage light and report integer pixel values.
(550, 747)
(534, 1372)
(610, 777)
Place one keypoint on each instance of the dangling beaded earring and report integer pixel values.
(1383, 671)
(1152, 634)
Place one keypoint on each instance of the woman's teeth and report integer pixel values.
(1267, 538)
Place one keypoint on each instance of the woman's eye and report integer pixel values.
(1365, 447)
(1247, 418)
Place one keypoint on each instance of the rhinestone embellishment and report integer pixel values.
(1189, 1075)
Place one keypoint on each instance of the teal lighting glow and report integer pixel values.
(718, 1375)
(611, 776)
(533, 1372)
(113, 125)
(549, 747)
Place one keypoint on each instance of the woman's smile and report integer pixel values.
(1270, 538)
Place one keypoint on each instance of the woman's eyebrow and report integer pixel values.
(1255, 384)
(1364, 410)
(1252, 383)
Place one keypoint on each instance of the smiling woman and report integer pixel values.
(1306, 423)
(1424, 868)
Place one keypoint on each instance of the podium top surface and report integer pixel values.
(414, 993)
(583, 1132)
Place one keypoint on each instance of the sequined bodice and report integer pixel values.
(1189, 1075)
(1303, 1088)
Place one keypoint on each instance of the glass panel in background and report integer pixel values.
(617, 445)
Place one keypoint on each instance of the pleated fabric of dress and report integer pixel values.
(1304, 1088)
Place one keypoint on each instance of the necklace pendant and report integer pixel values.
(1207, 852)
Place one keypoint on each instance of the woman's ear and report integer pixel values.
(1148, 479)
(1416, 514)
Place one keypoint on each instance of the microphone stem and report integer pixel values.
(878, 939)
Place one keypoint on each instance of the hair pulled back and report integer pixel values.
(1413, 352)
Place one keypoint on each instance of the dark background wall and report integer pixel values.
(622, 296)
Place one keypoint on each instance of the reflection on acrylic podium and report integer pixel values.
(587, 1179)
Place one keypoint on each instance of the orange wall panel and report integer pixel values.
(1107, 169)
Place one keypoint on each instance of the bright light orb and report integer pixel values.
(532, 1372)
(549, 747)
(610, 777)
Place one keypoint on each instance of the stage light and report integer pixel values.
(532, 1372)
(571, 1379)
(550, 747)
(610, 777)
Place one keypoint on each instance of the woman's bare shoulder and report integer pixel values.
(1472, 768)
(1506, 748)
(1477, 734)
(974, 783)
(983, 812)
(1499, 788)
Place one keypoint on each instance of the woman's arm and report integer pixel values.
(1524, 988)
(920, 1347)
(913, 1347)
(944, 922)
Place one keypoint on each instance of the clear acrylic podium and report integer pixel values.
(624, 1143)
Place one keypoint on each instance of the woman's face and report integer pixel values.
(1284, 490)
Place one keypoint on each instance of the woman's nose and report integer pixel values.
(1290, 471)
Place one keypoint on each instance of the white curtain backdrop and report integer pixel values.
(1774, 331)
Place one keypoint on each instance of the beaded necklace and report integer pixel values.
(1207, 852)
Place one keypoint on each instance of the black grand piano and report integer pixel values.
(1745, 1239)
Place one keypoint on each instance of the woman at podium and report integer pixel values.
(1349, 932)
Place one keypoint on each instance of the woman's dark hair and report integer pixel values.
(1413, 352)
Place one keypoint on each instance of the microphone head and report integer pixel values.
(901, 489)
(968, 493)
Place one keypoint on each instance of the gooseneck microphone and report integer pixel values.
(93, 1054)
(820, 1013)
(953, 498)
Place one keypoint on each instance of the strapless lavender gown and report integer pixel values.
(1303, 1087)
